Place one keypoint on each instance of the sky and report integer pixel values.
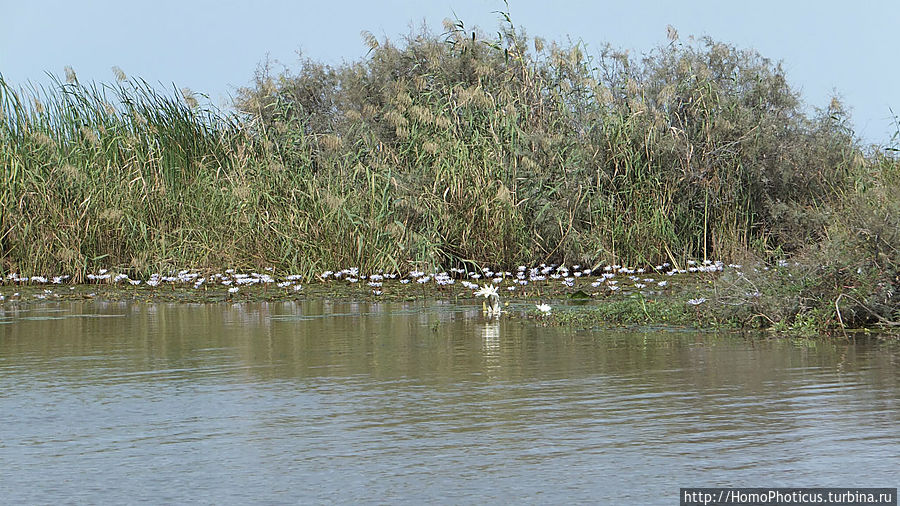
(827, 47)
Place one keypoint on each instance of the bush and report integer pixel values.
(849, 279)
(514, 150)
(441, 150)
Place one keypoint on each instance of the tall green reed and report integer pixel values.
(503, 153)
(445, 150)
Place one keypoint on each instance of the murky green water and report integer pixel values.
(320, 402)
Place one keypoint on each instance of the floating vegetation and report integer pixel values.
(701, 294)
(543, 282)
(557, 280)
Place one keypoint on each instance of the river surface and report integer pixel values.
(319, 402)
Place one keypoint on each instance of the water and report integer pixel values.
(320, 402)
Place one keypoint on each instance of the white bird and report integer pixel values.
(490, 292)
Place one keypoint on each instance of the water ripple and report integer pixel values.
(328, 403)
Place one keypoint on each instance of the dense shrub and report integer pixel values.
(512, 149)
(443, 149)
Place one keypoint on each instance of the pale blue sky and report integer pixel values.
(213, 47)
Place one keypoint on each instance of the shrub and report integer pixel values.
(512, 149)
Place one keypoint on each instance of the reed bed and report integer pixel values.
(448, 151)
(511, 150)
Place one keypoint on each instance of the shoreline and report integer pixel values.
(700, 150)
(609, 297)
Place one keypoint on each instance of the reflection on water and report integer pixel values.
(324, 401)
